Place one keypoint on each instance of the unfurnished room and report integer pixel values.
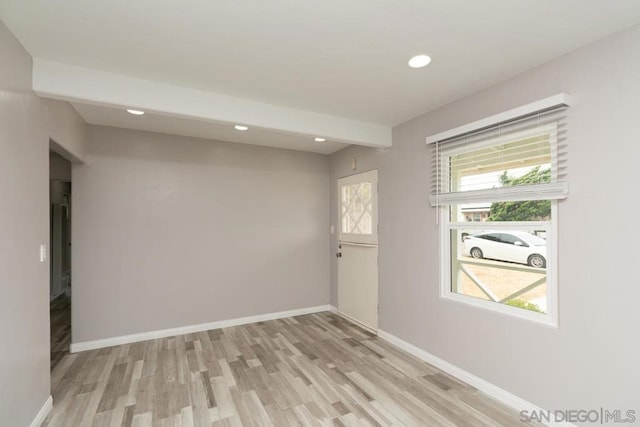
(319, 213)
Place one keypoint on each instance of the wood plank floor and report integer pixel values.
(308, 370)
(60, 315)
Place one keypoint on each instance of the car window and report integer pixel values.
(494, 237)
(511, 239)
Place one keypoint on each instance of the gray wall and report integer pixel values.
(590, 360)
(66, 129)
(173, 231)
(25, 127)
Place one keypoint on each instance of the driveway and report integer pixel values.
(499, 277)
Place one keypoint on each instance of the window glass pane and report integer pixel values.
(356, 209)
(484, 266)
(521, 161)
(528, 210)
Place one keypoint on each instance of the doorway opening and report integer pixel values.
(60, 255)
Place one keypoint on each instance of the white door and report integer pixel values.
(358, 248)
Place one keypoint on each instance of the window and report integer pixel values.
(505, 260)
(356, 208)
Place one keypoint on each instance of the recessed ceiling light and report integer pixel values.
(135, 112)
(241, 127)
(319, 139)
(419, 61)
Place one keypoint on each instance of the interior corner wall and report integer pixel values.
(25, 129)
(173, 231)
(589, 361)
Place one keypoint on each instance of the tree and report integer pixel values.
(531, 210)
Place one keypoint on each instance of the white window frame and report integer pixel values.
(551, 227)
(553, 191)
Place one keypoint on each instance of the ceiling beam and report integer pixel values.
(84, 85)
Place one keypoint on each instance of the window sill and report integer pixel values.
(545, 319)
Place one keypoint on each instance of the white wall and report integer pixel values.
(25, 129)
(173, 231)
(590, 360)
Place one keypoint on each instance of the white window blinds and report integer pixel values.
(518, 155)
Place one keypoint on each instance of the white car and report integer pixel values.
(513, 246)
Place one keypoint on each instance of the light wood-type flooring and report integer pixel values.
(60, 316)
(316, 369)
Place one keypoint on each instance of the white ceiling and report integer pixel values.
(341, 58)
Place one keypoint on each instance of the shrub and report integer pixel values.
(523, 304)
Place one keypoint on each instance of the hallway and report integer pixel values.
(60, 309)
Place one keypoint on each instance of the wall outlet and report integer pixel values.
(43, 253)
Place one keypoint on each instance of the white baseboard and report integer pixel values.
(144, 336)
(42, 413)
(486, 387)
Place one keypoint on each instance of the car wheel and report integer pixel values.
(476, 253)
(537, 261)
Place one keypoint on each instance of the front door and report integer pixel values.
(358, 248)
